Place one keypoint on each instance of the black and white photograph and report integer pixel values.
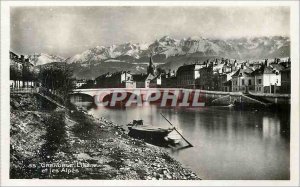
(161, 91)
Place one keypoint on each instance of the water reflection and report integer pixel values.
(228, 144)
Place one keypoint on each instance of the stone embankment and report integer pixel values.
(70, 144)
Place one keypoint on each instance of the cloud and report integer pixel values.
(70, 30)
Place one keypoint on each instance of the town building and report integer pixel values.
(122, 79)
(267, 79)
(169, 80)
(226, 81)
(156, 81)
(243, 80)
(187, 75)
(142, 80)
(125, 79)
(227, 86)
(285, 80)
(22, 72)
(79, 83)
(205, 81)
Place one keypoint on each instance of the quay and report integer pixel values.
(206, 96)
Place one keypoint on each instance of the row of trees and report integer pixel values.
(56, 77)
(25, 73)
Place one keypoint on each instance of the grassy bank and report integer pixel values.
(73, 145)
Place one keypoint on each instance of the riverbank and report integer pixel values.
(70, 144)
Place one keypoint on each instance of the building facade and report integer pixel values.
(205, 81)
(267, 80)
(22, 72)
(122, 79)
(187, 75)
(285, 80)
(243, 80)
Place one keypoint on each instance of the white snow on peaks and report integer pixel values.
(43, 58)
(169, 46)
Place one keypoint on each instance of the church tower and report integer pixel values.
(151, 67)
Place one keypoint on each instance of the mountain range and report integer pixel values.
(43, 58)
(168, 53)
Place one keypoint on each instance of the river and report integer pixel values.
(228, 144)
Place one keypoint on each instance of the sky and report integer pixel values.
(66, 31)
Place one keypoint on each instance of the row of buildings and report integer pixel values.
(22, 71)
(125, 79)
(218, 75)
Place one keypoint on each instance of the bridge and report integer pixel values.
(206, 96)
(145, 94)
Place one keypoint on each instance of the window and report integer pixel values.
(259, 81)
(243, 81)
(249, 82)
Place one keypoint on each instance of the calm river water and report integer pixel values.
(228, 144)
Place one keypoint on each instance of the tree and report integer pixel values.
(58, 79)
(160, 71)
(15, 73)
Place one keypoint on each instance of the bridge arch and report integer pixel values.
(80, 97)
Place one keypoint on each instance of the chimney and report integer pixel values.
(22, 58)
(278, 60)
(266, 62)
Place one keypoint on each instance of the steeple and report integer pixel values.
(151, 67)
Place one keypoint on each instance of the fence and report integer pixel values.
(40, 90)
(23, 90)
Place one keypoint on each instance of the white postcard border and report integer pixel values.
(5, 106)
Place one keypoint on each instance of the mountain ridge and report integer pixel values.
(168, 53)
(240, 48)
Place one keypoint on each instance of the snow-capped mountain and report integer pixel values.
(100, 53)
(165, 47)
(168, 53)
(42, 58)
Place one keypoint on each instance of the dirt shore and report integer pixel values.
(73, 145)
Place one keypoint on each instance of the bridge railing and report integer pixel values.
(270, 95)
(172, 89)
(23, 90)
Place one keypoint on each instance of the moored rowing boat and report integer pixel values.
(149, 133)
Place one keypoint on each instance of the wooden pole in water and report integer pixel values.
(177, 131)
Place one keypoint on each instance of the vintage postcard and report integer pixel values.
(149, 93)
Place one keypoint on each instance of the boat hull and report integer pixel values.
(155, 136)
